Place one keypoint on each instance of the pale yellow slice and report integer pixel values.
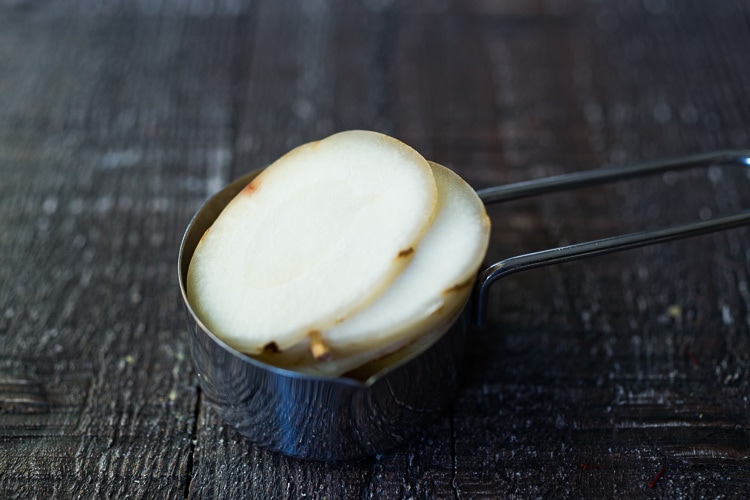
(425, 298)
(319, 234)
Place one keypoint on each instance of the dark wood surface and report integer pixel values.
(117, 119)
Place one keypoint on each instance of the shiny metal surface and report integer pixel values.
(342, 418)
(327, 419)
(311, 417)
(603, 246)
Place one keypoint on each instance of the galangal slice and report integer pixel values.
(319, 234)
(426, 297)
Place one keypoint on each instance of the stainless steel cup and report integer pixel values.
(347, 417)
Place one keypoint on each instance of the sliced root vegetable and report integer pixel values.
(444, 263)
(361, 364)
(426, 297)
(319, 234)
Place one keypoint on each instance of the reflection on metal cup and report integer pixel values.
(316, 417)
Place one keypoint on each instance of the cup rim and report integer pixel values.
(205, 216)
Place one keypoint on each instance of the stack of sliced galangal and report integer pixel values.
(342, 252)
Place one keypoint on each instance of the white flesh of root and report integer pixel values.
(318, 235)
(422, 302)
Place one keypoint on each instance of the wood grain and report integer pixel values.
(117, 119)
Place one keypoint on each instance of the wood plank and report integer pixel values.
(118, 119)
(625, 327)
(119, 127)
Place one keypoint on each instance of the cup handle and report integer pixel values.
(607, 245)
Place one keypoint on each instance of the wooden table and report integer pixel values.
(626, 375)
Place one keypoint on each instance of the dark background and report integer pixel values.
(118, 119)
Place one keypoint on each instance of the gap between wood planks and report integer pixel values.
(193, 441)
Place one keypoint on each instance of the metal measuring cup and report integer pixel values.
(388, 400)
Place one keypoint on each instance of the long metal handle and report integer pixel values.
(606, 245)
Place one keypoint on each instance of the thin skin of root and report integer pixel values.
(320, 351)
